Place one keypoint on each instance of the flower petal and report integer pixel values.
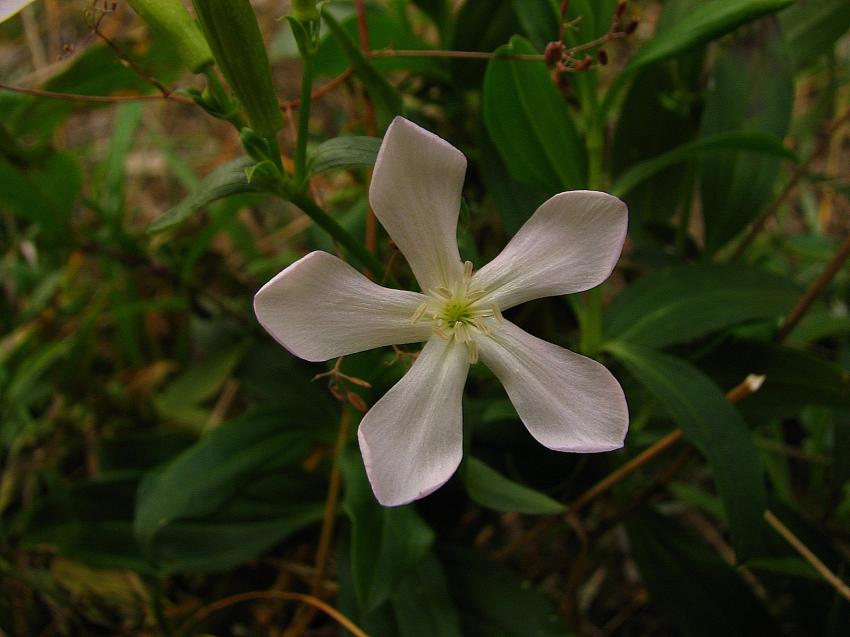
(412, 439)
(571, 243)
(415, 194)
(8, 8)
(320, 308)
(567, 401)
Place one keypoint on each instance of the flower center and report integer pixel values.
(457, 314)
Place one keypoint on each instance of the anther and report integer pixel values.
(497, 313)
(467, 270)
(472, 348)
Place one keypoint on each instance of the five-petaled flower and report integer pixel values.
(411, 440)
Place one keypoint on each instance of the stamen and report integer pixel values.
(472, 348)
(460, 332)
(474, 295)
(419, 313)
(497, 313)
(467, 271)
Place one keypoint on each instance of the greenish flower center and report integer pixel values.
(459, 313)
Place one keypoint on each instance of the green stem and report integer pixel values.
(330, 225)
(303, 123)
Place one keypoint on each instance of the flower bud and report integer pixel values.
(170, 19)
(231, 29)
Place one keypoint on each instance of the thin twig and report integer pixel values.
(814, 291)
(313, 601)
(796, 176)
(322, 90)
(463, 55)
(749, 385)
(807, 554)
(106, 99)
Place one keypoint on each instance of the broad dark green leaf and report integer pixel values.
(708, 21)
(753, 90)
(701, 594)
(514, 201)
(384, 94)
(760, 142)
(494, 602)
(422, 604)
(491, 489)
(386, 543)
(204, 477)
(260, 514)
(530, 124)
(686, 302)
(225, 180)
(344, 152)
(714, 425)
(811, 28)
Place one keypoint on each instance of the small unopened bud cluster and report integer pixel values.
(567, 60)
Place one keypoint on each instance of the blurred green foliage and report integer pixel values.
(158, 452)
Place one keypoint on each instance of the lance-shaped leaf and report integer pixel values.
(344, 152)
(686, 302)
(709, 421)
(229, 179)
(708, 21)
(530, 124)
(491, 489)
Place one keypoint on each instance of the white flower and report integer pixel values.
(8, 8)
(320, 308)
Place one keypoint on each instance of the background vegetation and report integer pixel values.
(167, 469)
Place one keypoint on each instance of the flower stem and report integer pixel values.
(303, 123)
(332, 227)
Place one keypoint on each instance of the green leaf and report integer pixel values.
(386, 98)
(386, 543)
(127, 120)
(539, 20)
(515, 201)
(811, 27)
(701, 594)
(43, 192)
(422, 604)
(225, 180)
(753, 90)
(708, 21)
(344, 152)
(530, 124)
(491, 489)
(760, 142)
(714, 425)
(686, 302)
(495, 602)
(181, 400)
(262, 513)
(657, 116)
(205, 476)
